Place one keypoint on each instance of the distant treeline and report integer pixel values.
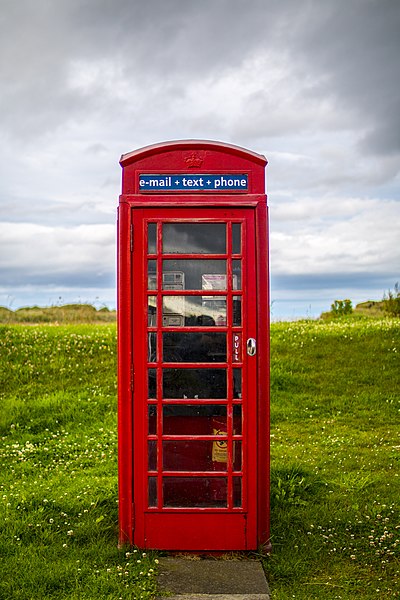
(86, 313)
(68, 313)
(388, 306)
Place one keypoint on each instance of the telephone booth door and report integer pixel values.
(194, 314)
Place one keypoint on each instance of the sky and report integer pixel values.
(314, 85)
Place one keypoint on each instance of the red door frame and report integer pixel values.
(223, 156)
(195, 528)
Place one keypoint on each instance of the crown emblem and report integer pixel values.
(193, 160)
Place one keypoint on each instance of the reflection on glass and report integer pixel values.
(152, 274)
(152, 311)
(214, 309)
(236, 238)
(196, 311)
(152, 383)
(190, 492)
(237, 383)
(237, 274)
(175, 305)
(152, 455)
(237, 492)
(194, 238)
(194, 383)
(193, 455)
(237, 420)
(152, 417)
(194, 274)
(205, 346)
(152, 491)
(152, 238)
(194, 419)
(237, 311)
(152, 347)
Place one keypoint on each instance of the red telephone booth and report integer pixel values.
(193, 348)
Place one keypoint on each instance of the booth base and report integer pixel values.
(202, 532)
(202, 579)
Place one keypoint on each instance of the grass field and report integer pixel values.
(335, 459)
(335, 481)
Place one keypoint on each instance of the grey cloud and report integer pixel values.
(356, 44)
(342, 52)
(384, 138)
(72, 278)
(334, 281)
(313, 85)
(37, 254)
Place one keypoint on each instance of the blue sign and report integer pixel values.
(194, 183)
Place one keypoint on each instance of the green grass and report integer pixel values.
(59, 468)
(335, 464)
(335, 480)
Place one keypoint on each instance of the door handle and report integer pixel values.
(251, 346)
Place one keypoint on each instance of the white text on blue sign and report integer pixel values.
(194, 183)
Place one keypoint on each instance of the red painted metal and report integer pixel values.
(234, 484)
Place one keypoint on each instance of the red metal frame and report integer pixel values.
(160, 527)
(241, 527)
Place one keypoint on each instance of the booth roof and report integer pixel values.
(194, 145)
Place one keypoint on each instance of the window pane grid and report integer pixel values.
(228, 493)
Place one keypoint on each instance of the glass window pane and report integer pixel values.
(152, 238)
(237, 383)
(194, 383)
(237, 420)
(194, 238)
(194, 274)
(206, 346)
(237, 311)
(236, 238)
(152, 416)
(152, 491)
(184, 419)
(152, 347)
(152, 455)
(152, 311)
(194, 311)
(174, 308)
(152, 274)
(237, 274)
(190, 492)
(237, 492)
(152, 383)
(237, 456)
(191, 455)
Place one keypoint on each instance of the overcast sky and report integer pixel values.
(314, 85)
